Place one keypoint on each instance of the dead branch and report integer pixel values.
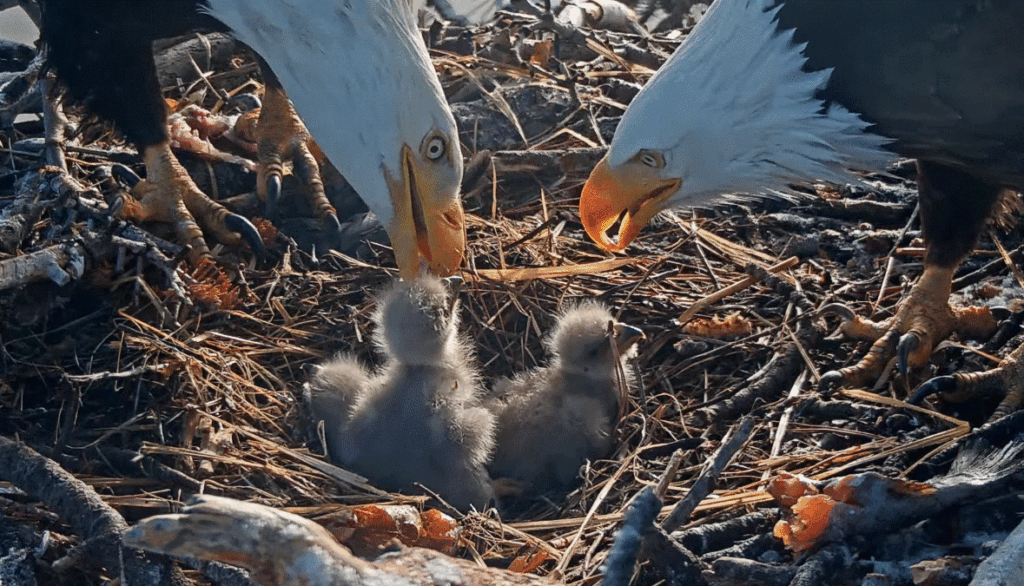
(78, 505)
(671, 561)
(828, 563)
(61, 263)
(601, 14)
(628, 540)
(18, 217)
(1006, 565)
(734, 288)
(282, 549)
(751, 548)
(767, 384)
(876, 212)
(728, 571)
(705, 483)
(715, 536)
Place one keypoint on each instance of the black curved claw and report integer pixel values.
(830, 380)
(244, 102)
(1000, 312)
(273, 196)
(908, 343)
(839, 309)
(249, 233)
(124, 174)
(939, 384)
(115, 203)
(1009, 325)
(332, 226)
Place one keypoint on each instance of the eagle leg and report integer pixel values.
(1006, 379)
(169, 195)
(280, 135)
(922, 320)
(954, 208)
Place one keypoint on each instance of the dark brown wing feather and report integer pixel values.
(944, 78)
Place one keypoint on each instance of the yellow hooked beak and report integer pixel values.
(429, 225)
(633, 193)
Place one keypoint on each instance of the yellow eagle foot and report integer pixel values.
(169, 195)
(280, 135)
(922, 321)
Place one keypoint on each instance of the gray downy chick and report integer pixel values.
(419, 419)
(551, 419)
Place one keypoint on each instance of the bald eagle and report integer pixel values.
(357, 71)
(765, 94)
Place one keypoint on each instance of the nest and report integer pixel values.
(150, 381)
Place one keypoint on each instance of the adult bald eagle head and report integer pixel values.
(360, 77)
(357, 72)
(765, 94)
(734, 112)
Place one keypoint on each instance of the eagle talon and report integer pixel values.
(939, 384)
(115, 204)
(1007, 379)
(830, 381)
(244, 102)
(281, 135)
(921, 320)
(248, 232)
(1001, 313)
(124, 174)
(272, 190)
(909, 343)
(332, 225)
(839, 309)
(169, 195)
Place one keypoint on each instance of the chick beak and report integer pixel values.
(429, 225)
(632, 192)
(626, 337)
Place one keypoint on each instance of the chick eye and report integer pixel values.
(651, 159)
(435, 148)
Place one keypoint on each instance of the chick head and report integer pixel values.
(587, 340)
(417, 320)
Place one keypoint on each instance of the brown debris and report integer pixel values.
(869, 503)
(368, 529)
(943, 572)
(729, 327)
(60, 264)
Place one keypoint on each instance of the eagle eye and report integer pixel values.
(435, 148)
(651, 159)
